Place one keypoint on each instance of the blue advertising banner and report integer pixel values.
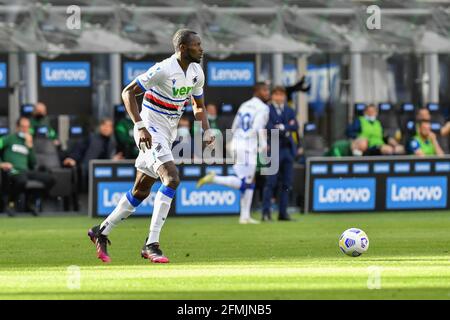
(109, 194)
(416, 192)
(289, 74)
(377, 183)
(324, 80)
(3, 74)
(209, 199)
(133, 69)
(344, 194)
(109, 180)
(66, 74)
(231, 74)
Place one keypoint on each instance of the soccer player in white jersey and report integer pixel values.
(167, 87)
(249, 139)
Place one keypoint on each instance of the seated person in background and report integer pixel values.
(445, 130)
(39, 119)
(369, 127)
(425, 143)
(424, 114)
(125, 138)
(99, 145)
(348, 148)
(17, 159)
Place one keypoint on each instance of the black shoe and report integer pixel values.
(101, 243)
(153, 253)
(285, 218)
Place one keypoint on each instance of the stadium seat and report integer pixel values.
(227, 113)
(436, 113)
(358, 110)
(33, 188)
(298, 186)
(388, 119)
(76, 134)
(47, 159)
(407, 121)
(26, 110)
(4, 126)
(119, 112)
(443, 141)
(313, 144)
(4, 121)
(408, 131)
(4, 130)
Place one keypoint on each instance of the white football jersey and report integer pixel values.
(251, 117)
(167, 91)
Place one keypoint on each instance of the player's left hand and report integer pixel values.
(209, 139)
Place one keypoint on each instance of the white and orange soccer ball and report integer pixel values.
(354, 242)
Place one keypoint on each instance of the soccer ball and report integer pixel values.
(354, 242)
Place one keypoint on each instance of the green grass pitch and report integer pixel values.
(216, 258)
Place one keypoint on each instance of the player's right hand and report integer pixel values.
(6, 166)
(29, 140)
(145, 139)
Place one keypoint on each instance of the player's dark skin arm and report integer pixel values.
(143, 183)
(201, 115)
(129, 98)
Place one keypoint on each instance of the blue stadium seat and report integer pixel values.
(26, 110)
(358, 109)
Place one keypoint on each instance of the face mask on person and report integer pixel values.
(39, 116)
(371, 118)
(357, 152)
(212, 117)
(21, 134)
(183, 133)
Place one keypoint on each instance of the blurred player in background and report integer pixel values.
(249, 138)
(167, 87)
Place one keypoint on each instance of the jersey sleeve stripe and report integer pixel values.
(140, 84)
(197, 97)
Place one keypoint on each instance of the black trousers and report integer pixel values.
(19, 181)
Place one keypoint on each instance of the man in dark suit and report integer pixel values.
(281, 117)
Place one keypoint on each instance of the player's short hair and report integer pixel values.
(279, 89)
(20, 119)
(182, 36)
(104, 120)
(258, 86)
(370, 105)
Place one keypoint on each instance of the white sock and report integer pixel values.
(161, 208)
(126, 206)
(246, 203)
(229, 181)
